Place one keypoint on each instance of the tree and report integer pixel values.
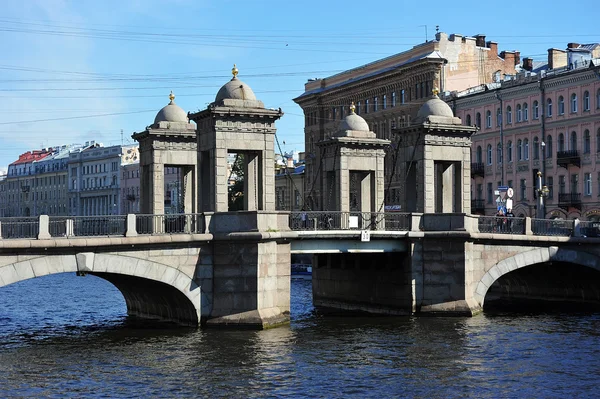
(236, 190)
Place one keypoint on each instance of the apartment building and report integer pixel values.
(388, 93)
(546, 119)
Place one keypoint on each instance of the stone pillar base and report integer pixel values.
(261, 319)
(454, 308)
(332, 306)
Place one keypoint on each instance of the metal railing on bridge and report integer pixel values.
(128, 225)
(326, 220)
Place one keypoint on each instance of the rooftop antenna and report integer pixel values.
(425, 26)
(437, 29)
(121, 136)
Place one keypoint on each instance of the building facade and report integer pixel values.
(94, 178)
(544, 119)
(388, 93)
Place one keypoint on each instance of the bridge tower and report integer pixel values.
(236, 124)
(435, 151)
(251, 265)
(169, 141)
(353, 167)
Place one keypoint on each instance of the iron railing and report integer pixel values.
(84, 226)
(325, 220)
(552, 227)
(501, 225)
(170, 224)
(19, 227)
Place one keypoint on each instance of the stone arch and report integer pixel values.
(170, 294)
(533, 257)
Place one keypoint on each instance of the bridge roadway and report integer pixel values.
(440, 263)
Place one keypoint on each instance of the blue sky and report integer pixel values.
(73, 71)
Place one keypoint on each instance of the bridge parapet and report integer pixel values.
(46, 227)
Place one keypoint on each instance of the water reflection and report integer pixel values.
(68, 337)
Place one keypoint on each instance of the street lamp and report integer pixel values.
(542, 193)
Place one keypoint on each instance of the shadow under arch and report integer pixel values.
(151, 289)
(529, 258)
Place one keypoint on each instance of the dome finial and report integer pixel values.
(171, 96)
(352, 107)
(435, 92)
(234, 71)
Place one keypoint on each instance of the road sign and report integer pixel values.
(510, 192)
(502, 188)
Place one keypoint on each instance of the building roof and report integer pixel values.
(434, 55)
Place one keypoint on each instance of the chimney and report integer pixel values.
(517, 57)
(528, 64)
(573, 45)
(556, 58)
(493, 46)
(290, 162)
(480, 40)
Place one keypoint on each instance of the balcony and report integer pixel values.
(477, 169)
(566, 158)
(569, 200)
(478, 206)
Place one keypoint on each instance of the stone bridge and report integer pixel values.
(439, 263)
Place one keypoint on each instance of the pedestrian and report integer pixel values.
(500, 220)
(510, 217)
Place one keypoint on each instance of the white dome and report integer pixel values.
(434, 107)
(235, 89)
(171, 113)
(354, 122)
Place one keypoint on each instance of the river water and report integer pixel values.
(67, 336)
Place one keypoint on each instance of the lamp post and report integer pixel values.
(542, 193)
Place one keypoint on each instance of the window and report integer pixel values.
(586, 101)
(490, 194)
(478, 120)
(499, 153)
(561, 184)
(536, 110)
(402, 98)
(587, 182)
(384, 101)
(549, 106)
(573, 103)
(598, 100)
(478, 155)
(598, 142)
(393, 99)
(519, 113)
(525, 112)
(573, 141)
(358, 108)
(489, 154)
(366, 106)
(561, 142)
(536, 148)
(509, 151)
(526, 149)
(523, 189)
(519, 150)
(468, 119)
(550, 185)
(376, 104)
(561, 105)
(498, 117)
(488, 119)
(508, 115)
(574, 183)
(587, 145)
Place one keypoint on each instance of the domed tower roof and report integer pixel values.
(436, 110)
(171, 112)
(235, 89)
(354, 122)
(354, 125)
